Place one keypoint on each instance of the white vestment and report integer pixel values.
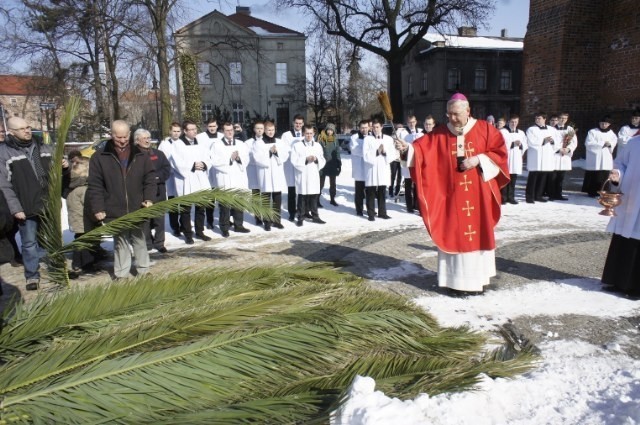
(563, 161)
(166, 146)
(599, 157)
(626, 132)
(270, 167)
(541, 156)
(307, 173)
(514, 152)
(377, 171)
(290, 139)
(357, 161)
(230, 174)
(627, 222)
(188, 180)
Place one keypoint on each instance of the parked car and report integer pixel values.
(343, 141)
(90, 150)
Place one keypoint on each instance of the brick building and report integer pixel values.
(583, 57)
(31, 98)
(488, 70)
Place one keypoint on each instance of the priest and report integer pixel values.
(458, 170)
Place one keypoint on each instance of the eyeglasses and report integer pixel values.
(21, 129)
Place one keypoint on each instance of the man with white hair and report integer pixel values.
(122, 180)
(24, 179)
(154, 228)
(458, 170)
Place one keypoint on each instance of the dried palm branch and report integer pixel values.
(267, 345)
(385, 104)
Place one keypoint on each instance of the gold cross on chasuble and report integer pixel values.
(470, 233)
(468, 209)
(465, 183)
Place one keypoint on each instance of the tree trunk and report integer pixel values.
(395, 88)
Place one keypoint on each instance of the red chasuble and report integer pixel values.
(459, 209)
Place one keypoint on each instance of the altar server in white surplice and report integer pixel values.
(628, 131)
(516, 142)
(269, 155)
(206, 138)
(291, 137)
(378, 153)
(230, 157)
(357, 165)
(600, 143)
(307, 157)
(543, 140)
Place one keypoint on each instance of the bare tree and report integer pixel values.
(391, 28)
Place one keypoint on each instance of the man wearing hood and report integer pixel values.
(24, 179)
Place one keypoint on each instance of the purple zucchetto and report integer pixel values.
(458, 96)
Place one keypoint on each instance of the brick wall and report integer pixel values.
(583, 57)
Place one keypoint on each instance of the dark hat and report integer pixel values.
(636, 113)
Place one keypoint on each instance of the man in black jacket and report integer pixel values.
(24, 178)
(154, 228)
(122, 180)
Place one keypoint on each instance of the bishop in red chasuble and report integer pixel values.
(458, 170)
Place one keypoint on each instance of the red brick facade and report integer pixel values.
(583, 57)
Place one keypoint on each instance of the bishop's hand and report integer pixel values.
(401, 145)
(470, 163)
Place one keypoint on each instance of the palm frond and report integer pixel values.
(50, 233)
(265, 345)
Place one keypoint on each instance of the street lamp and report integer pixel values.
(155, 89)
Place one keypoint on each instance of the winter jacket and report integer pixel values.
(78, 220)
(18, 180)
(116, 191)
(331, 150)
(6, 224)
(162, 167)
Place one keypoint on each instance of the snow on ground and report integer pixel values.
(575, 383)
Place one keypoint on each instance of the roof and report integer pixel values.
(248, 22)
(24, 85)
(469, 42)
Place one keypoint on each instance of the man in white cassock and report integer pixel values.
(541, 162)
(622, 267)
(269, 155)
(600, 143)
(357, 165)
(413, 133)
(568, 142)
(516, 142)
(206, 138)
(628, 131)
(229, 158)
(458, 170)
(307, 157)
(290, 138)
(378, 153)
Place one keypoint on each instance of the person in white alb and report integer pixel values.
(378, 152)
(600, 143)
(290, 138)
(206, 138)
(269, 155)
(628, 131)
(166, 146)
(542, 140)
(357, 165)
(563, 156)
(516, 142)
(229, 158)
(307, 158)
(190, 162)
(413, 133)
(252, 177)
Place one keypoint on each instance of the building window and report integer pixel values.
(14, 101)
(281, 73)
(204, 74)
(280, 46)
(410, 85)
(505, 80)
(207, 111)
(480, 81)
(425, 84)
(235, 73)
(238, 112)
(453, 79)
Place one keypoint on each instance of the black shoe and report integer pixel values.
(540, 200)
(360, 214)
(372, 218)
(292, 218)
(562, 198)
(504, 202)
(308, 215)
(210, 226)
(278, 225)
(299, 223)
(333, 202)
(225, 233)
(258, 222)
(33, 284)
(162, 250)
(513, 201)
(386, 217)
(202, 236)
(176, 233)
(240, 229)
(188, 239)
(318, 220)
(267, 227)
(410, 211)
(530, 201)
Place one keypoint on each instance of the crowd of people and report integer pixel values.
(129, 173)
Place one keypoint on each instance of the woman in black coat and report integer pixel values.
(331, 148)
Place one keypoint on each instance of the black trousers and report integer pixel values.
(555, 180)
(154, 232)
(332, 185)
(82, 258)
(291, 201)
(379, 193)
(359, 197)
(224, 219)
(409, 194)
(396, 176)
(185, 220)
(536, 183)
(308, 204)
(273, 200)
(173, 219)
(509, 191)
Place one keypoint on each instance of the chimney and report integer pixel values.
(503, 33)
(243, 10)
(468, 31)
